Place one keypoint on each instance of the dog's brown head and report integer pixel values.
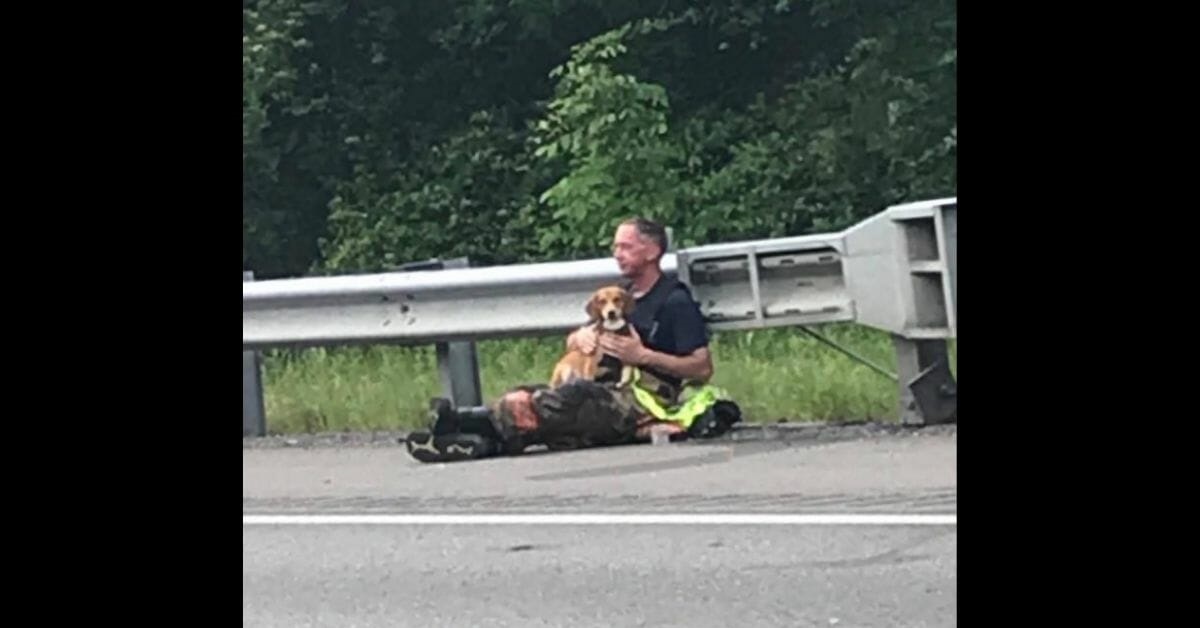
(610, 306)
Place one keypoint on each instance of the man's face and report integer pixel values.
(632, 251)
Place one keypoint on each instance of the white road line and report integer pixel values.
(606, 519)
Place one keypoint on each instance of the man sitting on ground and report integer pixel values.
(668, 346)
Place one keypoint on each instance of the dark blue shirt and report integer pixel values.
(678, 328)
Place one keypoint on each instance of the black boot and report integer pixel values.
(476, 420)
(444, 418)
(454, 434)
(455, 447)
(716, 420)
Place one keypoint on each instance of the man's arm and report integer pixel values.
(697, 365)
(583, 339)
(691, 336)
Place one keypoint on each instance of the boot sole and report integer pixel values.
(427, 447)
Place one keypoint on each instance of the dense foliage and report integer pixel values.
(375, 133)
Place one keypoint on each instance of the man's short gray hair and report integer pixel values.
(652, 230)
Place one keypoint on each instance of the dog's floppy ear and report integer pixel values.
(627, 303)
(593, 310)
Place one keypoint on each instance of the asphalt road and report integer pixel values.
(605, 575)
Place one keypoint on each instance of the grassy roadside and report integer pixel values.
(773, 374)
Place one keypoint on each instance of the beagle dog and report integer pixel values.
(607, 311)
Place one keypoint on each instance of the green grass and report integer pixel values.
(773, 374)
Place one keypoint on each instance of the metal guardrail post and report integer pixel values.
(928, 249)
(928, 392)
(254, 416)
(458, 368)
(458, 364)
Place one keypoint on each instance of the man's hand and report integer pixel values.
(628, 349)
(583, 339)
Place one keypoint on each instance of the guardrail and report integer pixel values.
(895, 271)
